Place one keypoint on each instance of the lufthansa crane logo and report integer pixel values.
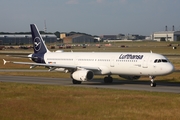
(37, 44)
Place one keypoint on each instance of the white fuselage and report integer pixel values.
(120, 63)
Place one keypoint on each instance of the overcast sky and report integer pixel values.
(95, 17)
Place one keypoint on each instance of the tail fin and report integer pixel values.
(38, 43)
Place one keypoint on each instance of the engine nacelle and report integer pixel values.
(83, 75)
(130, 77)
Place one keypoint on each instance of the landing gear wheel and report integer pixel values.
(153, 84)
(108, 79)
(76, 82)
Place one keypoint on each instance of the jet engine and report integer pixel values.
(130, 77)
(83, 75)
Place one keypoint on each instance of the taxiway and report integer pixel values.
(117, 84)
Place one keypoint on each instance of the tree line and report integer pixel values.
(57, 33)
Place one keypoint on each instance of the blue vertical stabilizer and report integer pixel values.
(38, 43)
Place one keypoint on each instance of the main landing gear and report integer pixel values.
(153, 84)
(108, 79)
(76, 81)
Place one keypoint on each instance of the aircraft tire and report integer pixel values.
(108, 79)
(153, 84)
(76, 82)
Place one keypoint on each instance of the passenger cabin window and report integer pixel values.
(160, 61)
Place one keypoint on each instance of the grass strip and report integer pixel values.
(29, 101)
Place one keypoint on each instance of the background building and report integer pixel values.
(17, 39)
(166, 36)
(109, 37)
(63, 35)
(78, 38)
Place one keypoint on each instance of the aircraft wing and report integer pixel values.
(53, 66)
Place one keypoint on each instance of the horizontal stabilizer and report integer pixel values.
(21, 56)
(4, 61)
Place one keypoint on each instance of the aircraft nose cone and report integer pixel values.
(170, 69)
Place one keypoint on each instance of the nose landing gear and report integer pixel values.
(153, 84)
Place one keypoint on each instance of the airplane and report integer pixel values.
(82, 66)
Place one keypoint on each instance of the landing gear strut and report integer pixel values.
(108, 79)
(153, 84)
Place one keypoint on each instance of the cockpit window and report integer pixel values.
(160, 61)
(164, 60)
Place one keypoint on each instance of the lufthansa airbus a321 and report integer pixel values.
(84, 65)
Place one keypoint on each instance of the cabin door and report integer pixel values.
(145, 62)
(76, 60)
(112, 62)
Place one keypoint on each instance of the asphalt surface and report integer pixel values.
(117, 84)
